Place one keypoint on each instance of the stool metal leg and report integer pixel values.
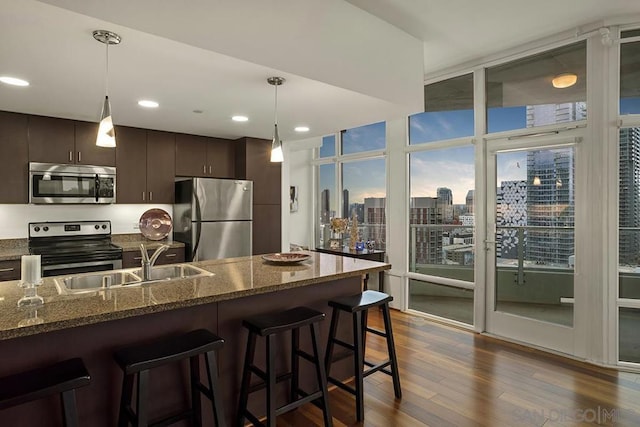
(125, 400)
(391, 347)
(246, 379)
(358, 362)
(69, 408)
(142, 398)
(196, 401)
(322, 377)
(212, 362)
(271, 381)
(295, 364)
(328, 358)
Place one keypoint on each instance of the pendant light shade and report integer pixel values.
(276, 144)
(106, 132)
(565, 80)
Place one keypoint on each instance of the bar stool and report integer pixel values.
(268, 326)
(358, 305)
(63, 377)
(138, 360)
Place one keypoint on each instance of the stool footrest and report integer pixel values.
(344, 344)
(279, 378)
(376, 368)
(377, 332)
(254, 420)
(341, 385)
(306, 356)
(288, 407)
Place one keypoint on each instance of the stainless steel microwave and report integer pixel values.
(51, 183)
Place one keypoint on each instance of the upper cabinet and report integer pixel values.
(14, 158)
(145, 166)
(204, 157)
(53, 140)
(253, 161)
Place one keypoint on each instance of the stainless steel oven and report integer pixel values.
(74, 247)
(56, 183)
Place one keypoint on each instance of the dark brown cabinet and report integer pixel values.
(14, 158)
(53, 140)
(253, 161)
(204, 157)
(9, 270)
(145, 166)
(131, 259)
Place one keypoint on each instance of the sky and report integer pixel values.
(452, 168)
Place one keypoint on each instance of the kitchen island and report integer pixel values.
(94, 324)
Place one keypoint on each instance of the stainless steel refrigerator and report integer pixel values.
(213, 217)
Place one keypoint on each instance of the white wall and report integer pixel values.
(14, 219)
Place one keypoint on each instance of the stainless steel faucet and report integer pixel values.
(147, 262)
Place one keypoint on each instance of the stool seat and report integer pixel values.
(360, 302)
(37, 383)
(147, 356)
(273, 323)
(137, 361)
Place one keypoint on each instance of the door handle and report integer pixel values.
(143, 195)
(204, 169)
(4, 270)
(71, 156)
(79, 156)
(210, 170)
(150, 196)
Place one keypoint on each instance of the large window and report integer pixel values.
(356, 157)
(543, 89)
(630, 77)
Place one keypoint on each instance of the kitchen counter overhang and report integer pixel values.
(232, 278)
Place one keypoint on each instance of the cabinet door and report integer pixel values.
(51, 140)
(170, 256)
(14, 158)
(264, 174)
(87, 152)
(266, 229)
(220, 158)
(131, 165)
(191, 155)
(160, 166)
(9, 270)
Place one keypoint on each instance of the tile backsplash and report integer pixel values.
(14, 219)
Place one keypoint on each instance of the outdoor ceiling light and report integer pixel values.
(565, 80)
(106, 132)
(536, 180)
(276, 144)
(13, 81)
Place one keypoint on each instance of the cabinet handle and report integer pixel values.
(204, 169)
(4, 270)
(150, 195)
(79, 156)
(170, 255)
(209, 169)
(143, 195)
(71, 156)
(137, 257)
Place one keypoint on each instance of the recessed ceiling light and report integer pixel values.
(198, 111)
(301, 129)
(13, 81)
(148, 104)
(240, 118)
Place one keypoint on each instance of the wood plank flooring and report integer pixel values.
(452, 377)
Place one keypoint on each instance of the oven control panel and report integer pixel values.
(64, 228)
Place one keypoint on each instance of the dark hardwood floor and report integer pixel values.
(452, 377)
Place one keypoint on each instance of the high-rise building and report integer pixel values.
(629, 206)
(325, 212)
(469, 201)
(445, 202)
(511, 213)
(427, 240)
(374, 225)
(346, 213)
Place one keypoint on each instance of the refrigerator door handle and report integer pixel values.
(198, 226)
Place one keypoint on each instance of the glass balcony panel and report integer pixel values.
(442, 301)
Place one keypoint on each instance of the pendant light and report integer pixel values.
(106, 132)
(562, 81)
(276, 144)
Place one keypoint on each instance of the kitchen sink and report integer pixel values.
(93, 282)
(177, 271)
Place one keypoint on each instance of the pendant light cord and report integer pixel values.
(276, 105)
(106, 74)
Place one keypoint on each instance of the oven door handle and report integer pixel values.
(97, 188)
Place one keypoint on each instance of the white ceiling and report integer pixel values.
(347, 63)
